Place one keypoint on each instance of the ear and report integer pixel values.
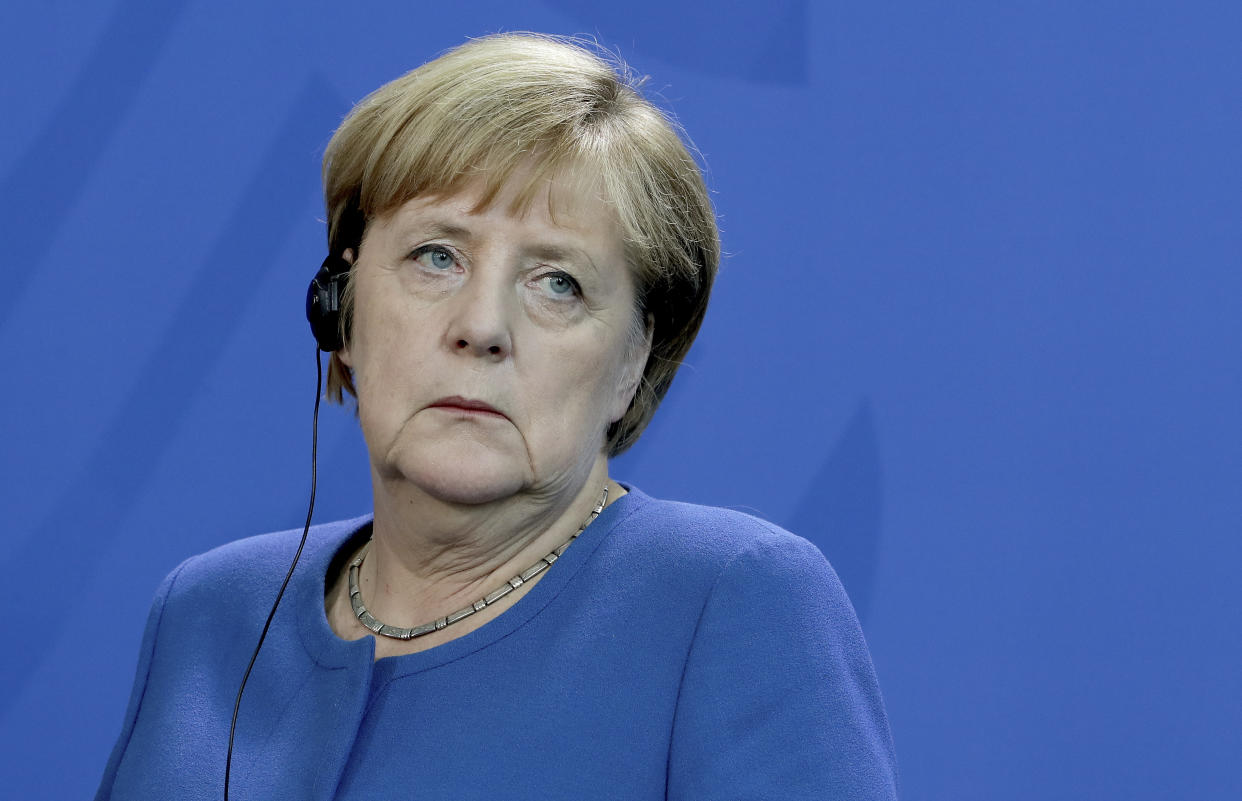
(633, 369)
(343, 352)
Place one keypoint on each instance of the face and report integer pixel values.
(492, 348)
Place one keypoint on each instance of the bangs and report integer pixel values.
(443, 163)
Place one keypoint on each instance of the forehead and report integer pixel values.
(568, 206)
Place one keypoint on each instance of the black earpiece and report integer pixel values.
(323, 302)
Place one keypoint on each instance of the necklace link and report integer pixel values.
(397, 633)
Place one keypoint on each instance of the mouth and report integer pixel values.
(468, 406)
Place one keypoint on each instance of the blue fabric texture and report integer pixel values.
(674, 652)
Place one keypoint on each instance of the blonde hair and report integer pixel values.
(483, 111)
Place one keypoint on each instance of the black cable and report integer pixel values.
(228, 762)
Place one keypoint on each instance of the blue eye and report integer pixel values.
(561, 285)
(435, 257)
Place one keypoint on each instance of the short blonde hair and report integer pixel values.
(482, 111)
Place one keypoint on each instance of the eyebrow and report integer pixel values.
(438, 229)
(549, 252)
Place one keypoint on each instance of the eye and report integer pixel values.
(436, 257)
(560, 284)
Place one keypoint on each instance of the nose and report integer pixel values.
(480, 322)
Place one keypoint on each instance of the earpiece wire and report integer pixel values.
(228, 761)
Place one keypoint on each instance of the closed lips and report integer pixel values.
(466, 404)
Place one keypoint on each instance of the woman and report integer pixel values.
(524, 250)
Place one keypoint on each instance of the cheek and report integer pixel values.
(607, 391)
(385, 327)
(387, 355)
(632, 363)
(566, 394)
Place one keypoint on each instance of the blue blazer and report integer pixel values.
(674, 652)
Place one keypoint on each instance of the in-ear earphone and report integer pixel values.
(323, 302)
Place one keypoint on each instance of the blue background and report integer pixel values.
(977, 336)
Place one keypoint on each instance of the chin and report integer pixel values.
(461, 473)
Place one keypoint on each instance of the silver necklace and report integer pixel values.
(398, 633)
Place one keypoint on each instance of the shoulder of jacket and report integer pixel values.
(260, 561)
(712, 538)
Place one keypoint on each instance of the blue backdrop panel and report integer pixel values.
(977, 336)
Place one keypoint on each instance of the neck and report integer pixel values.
(429, 557)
